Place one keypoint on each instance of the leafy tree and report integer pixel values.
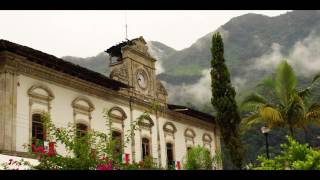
(199, 158)
(294, 156)
(283, 104)
(223, 100)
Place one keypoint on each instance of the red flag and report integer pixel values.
(178, 165)
(127, 158)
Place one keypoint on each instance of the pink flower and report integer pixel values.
(102, 167)
(41, 150)
(109, 165)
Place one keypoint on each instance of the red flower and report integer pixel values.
(109, 165)
(51, 153)
(40, 149)
(102, 167)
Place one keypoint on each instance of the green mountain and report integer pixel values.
(254, 45)
(246, 38)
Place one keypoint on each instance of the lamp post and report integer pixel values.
(265, 131)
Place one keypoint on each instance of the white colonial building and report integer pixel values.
(32, 82)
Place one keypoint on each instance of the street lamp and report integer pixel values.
(265, 131)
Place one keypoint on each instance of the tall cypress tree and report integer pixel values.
(223, 100)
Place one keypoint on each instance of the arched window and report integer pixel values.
(189, 135)
(169, 129)
(117, 138)
(145, 148)
(207, 139)
(82, 109)
(170, 158)
(145, 128)
(40, 97)
(38, 130)
(82, 129)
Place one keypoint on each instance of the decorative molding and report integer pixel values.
(147, 125)
(33, 94)
(206, 138)
(115, 116)
(192, 135)
(189, 135)
(90, 107)
(169, 124)
(139, 53)
(84, 110)
(169, 129)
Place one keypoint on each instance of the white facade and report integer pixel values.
(66, 103)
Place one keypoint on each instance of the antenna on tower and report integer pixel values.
(125, 16)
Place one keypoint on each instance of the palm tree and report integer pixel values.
(282, 103)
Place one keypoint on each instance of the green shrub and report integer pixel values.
(198, 158)
(294, 156)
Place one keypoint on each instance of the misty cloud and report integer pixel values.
(157, 53)
(224, 33)
(304, 56)
(198, 93)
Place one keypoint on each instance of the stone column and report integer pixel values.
(158, 139)
(8, 107)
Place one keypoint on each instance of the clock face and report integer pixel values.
(142, 79)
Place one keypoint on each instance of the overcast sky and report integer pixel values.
(86, 33)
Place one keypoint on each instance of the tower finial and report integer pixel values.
(125, 16)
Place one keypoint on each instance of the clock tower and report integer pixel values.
(131, 63)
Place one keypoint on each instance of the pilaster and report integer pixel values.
(8, 106)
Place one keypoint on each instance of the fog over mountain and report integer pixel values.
(254, 45)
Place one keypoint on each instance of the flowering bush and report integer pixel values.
(92, 151)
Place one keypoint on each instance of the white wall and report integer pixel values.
(62, 114)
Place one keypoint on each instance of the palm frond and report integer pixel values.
(285, 81)
(267, 83)
(315, 78)
(313, 114)
(271, 115)
(304, 93)
(249, 121)
(253, 102)
(295, 112)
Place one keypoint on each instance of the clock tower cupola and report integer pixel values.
(131, 63)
